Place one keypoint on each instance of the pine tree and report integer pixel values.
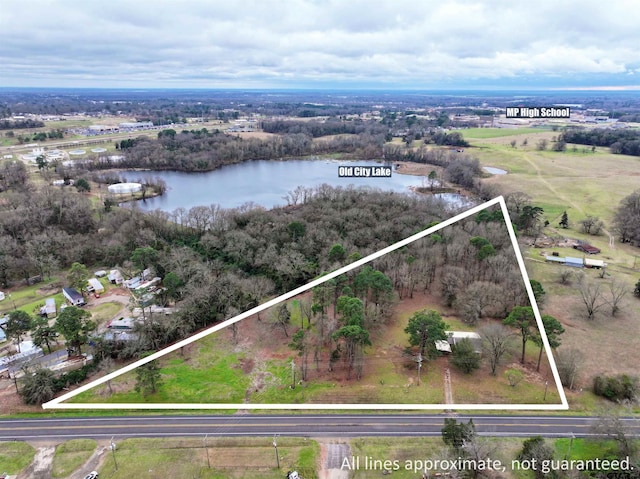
(564, 221)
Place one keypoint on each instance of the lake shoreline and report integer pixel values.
(269, 183)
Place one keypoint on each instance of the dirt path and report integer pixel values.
(571, 203)
(92, 464)
(448, 393)
(612, 241)
(332, 456)
(40, 468)
(548, 185)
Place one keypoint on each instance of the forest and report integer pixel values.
(470, 266)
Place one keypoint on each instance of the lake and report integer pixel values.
(261, 181)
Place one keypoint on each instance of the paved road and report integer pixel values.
(297, 425)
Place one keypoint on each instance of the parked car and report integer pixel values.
(92, 475)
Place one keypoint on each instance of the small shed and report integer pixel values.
(594, 263)
(115, 277)
(72, 295)
(454, 337)
(95, 286)
(121, 324)
(133, 283)
(49, 308)
(1, 296)
(554, 259)
(100, 274)
(574, 262)
(443, 346)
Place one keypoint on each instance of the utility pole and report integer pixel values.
(112, 445)
(419, 361)
(275, 446)
(15, 381)
(206, 448)
(293, 374)
(13, 301)
(546, 386)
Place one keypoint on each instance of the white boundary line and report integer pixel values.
(58, 403)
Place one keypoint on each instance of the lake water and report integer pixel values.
(263, 182)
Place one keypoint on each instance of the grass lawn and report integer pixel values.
(229, 458)
(26, 298)
(15, 456)
(104, 311)
(410, 453)
(71, 455)
(585, 449)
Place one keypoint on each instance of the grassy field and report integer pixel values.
(581, 183)
(71, 455)
(15, 456)
(409, 453)
(563, 181)
(217, 370)
(229, 458)
(476, 133)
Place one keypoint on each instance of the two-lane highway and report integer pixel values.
(333, 425)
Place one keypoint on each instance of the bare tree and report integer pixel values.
(305, 306)
(479, 450)
(618, 291)
(591, 225)
(281, 317)
(592, 298)
(496, 342)
(565, 275)
(478, 300)
(568, 362)
(610, 426)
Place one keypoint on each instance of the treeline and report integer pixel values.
(459, 168)
(17, 124)
(444, 138)
(316, 129)
(13, 175)
(202, 150)
(625, 142)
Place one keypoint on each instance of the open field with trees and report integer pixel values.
(213, 458)
(216, 263)
(596, 307)
(242, 457)
(369, 336)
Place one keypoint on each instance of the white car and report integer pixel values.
(92, 475)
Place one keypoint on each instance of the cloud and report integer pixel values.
(295, 42)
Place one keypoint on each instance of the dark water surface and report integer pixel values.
(263, 182)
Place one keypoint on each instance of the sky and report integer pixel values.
(351, 44)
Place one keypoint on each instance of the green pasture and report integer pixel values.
(15, 456)
(70, 455)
